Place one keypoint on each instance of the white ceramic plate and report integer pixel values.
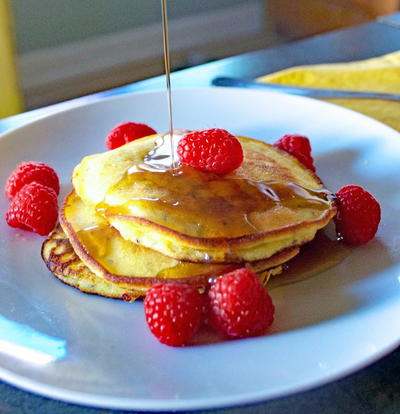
(64, 344)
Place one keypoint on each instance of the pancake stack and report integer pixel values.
(136, 217)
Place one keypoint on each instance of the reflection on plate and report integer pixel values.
(98, 351)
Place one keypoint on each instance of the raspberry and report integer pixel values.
(239, 306)
(358, 215)
(298, 146)
(127, 132)
(212, 150)
(173, 312)
(30, 171)
(34, 208)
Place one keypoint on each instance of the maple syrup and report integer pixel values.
(96, 239)
(167, 67)
(322, 253)
(206, 205)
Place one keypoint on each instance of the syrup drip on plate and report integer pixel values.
(315, 257)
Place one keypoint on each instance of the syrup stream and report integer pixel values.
(167, 67)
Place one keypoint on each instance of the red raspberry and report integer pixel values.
(30, 171)
(34, 208)
(239, 305)
(212, 150)
(358, 215)
(127, 132)
(298, 146)
(173, 312)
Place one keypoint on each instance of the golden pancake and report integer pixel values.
(272, 202)
(109, 256)
(65, 265)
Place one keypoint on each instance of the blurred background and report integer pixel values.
(53, 50)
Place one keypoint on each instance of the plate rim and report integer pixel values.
(179, 405)
(127, 95)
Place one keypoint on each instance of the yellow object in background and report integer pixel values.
(10, 98)
(381, 74)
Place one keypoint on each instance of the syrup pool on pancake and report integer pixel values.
(250, 214)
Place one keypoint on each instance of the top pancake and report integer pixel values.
(270, 203)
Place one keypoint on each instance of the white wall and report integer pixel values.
(41, 24)
(69, 48)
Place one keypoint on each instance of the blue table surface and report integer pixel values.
(375, 389)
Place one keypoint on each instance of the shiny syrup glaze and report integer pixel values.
(203, 204)
(221, 204)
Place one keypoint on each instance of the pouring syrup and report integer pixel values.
(167, 67)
